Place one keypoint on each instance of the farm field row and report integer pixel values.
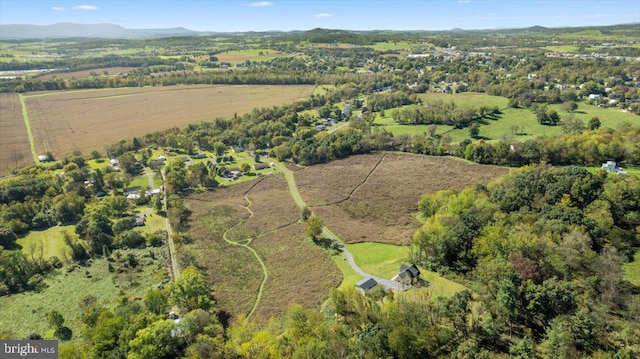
(14, 141)
(65, 121)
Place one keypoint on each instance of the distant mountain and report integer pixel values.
(100, 31)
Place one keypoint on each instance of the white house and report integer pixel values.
(612, 166)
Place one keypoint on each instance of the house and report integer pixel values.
(259, 166)
(612, 166)
(231, 173)
(155, 165)
(409, 275)
(137, 165)
(131, 190)
(594, 97)
(139, 219)
(366, 285)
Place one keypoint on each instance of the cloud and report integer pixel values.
(261, 4)
(57, 8)
(322, 14)
(86, 7)
(464, 1)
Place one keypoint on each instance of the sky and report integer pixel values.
(286, 15)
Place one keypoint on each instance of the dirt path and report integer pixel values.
(172, 250)
(265, 272)
(295, 194)
(27, 125)
(150, 177)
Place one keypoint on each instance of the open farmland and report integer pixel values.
(86, 73)
(259, 215)
(14, 141)
(240, 56)
(373, 198)
(87, 120)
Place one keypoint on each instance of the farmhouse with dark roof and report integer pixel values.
(409, 275)
(366, 285)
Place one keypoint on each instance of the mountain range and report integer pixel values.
(101, 31)
(111, 31)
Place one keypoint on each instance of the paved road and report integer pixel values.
(295, 194)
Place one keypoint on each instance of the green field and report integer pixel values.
(632, 270)
(50, 240)
(255, 54)
(396, 45)
(383, 260)
(25, 313)
(560, 48)
(349, 276)
(518, 123)
(467, 99)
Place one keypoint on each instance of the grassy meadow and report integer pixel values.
(49, 240)
(512, 123)
(25, 313)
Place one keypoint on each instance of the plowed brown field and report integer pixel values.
(88, 120)
(14, 141)
(373, 198)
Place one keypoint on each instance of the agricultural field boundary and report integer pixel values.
(27, 125)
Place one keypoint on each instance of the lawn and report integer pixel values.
(349, 276)
(141, 181)
(632, 270)
(383, 260)
(50, 240)
(438, 286)
(24, 313)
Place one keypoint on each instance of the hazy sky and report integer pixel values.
(227, 15)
